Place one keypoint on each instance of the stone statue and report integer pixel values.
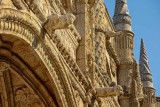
(56, 21)
(109, 91)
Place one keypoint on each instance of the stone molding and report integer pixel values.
(19, 30)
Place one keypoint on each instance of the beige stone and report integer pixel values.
(68, 53)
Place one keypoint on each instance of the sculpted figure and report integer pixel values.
(112, 33)
(109, 91)
(109, 33)
(56, 21)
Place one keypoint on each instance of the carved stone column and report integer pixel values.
(124, 49)
(124, 79)
(85, 27)
(81, 25)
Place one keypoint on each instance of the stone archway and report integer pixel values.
(15, 91)
(24, 79)
(21, 46)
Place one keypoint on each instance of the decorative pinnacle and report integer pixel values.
(143, 58)
(144, 65)
(121, 18)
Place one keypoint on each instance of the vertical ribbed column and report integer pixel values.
(124, 48)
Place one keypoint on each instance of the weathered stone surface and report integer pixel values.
(68, 53)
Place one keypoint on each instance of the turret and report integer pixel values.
(122, 22)
(124, 48)
(146, 78)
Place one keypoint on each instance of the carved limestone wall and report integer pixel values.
(55, 61)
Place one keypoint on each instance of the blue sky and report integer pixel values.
(145, 24)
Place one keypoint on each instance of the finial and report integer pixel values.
(145, 71)
(121, 18)
(144, 59)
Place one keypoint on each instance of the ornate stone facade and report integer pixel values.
(68, 53)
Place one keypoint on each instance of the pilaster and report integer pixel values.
(85, 26)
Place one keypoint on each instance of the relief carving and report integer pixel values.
(25, 98)
(27, 17)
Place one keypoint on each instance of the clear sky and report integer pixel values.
(145, 24)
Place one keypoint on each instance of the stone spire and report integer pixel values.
(146, 75)
(146, 78)
(124, 44)
(121, 18)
